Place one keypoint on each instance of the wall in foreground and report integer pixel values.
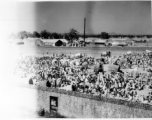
(78, 105)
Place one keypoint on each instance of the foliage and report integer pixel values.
(56, 35)
(105, 35)
(72, 35)
(30, 35)
(36, 34)
(45, 34)
(22, 35)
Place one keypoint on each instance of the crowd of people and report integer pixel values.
(135, 59)
(132, 80)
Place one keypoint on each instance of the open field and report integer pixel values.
(11, 52)
(94, 51)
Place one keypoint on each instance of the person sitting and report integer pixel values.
(30, 81)
(74, 87)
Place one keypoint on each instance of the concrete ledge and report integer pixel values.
(98, 98)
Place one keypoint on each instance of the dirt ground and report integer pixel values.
(21, 50)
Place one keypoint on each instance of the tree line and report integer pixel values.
(44, 34)
(70, 36)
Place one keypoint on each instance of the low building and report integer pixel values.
(54, 42)
(60, 43)
(89, 40)
(144, 39)
(100, 41)
(39, 42)
(49, 42)
(75, 43)
(81, 39)
(121, 41)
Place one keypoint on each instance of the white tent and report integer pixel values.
(148, 51)
(68, 87)
(129, 52)
(109, 67)
(78, 54)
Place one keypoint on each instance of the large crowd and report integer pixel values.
(130, 80)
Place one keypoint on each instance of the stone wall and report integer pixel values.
(78, 105)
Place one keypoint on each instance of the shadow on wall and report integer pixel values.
(46, 114)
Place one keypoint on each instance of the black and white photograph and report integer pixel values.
(76, 59)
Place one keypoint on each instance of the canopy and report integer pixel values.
(148, 51)
(103, 53)
(78, 54)
(129, 52)
(110, 67)
(84, 64)
(144, 92)
(68, 87)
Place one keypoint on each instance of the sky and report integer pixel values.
(122, 17)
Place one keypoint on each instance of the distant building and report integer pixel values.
(100, 41)
(120, 42)
(76, 43)
(142, 39)
(54, 42)
(39, 42)
(89, 40)
(81, 39)
(125, 40)
(120, 39)
(137, 39)
(60, 43)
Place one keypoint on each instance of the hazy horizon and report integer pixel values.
(120, 17)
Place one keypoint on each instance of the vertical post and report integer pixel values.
(84, 30)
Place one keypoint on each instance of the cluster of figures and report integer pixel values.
(127, 77)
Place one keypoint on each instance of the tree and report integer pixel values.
(36, 34)
(30, 35)
(66, 36)
(105, 35)
(22, 34)
(72, 35)
(55, 35)
(45, 34)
